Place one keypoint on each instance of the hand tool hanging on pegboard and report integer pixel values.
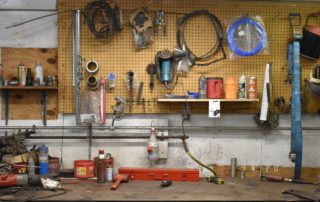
(103, 100)
(139, 93)
(76, 54)
(294, 67)
(131, 83)
(118, 110)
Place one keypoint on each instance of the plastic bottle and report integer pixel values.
(31, 168)
(202, 87)
(39, 73)
(101, 167)
(153, 145)
(43, 160)
(242, 87)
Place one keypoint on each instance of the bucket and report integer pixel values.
(215, 88)
(83, 168)
(231, 87)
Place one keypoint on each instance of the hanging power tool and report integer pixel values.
(165, 69)
(118, 110)
(294, 68)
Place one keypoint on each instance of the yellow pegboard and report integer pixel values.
(120, 56)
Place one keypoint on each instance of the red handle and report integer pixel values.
(116, 184)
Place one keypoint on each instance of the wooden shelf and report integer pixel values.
(28, 88)
(206, 100)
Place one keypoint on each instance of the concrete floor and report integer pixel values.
(233, 189)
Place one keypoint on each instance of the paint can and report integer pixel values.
(83, 169)
(230, 87)
(110, 174)
(253, 88)
(54, 166)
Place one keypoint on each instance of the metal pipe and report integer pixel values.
(233, 167)
(31, 10)
(107, 137)
(177, 128)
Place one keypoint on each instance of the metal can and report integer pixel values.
(202, 87)
(253, 88)
(242, 87)
(110, 174)
(22, 74)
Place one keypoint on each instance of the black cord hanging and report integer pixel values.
(203, 59)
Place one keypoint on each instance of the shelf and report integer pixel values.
(35, 88)
(206, 100)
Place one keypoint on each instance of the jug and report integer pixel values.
(215, 88)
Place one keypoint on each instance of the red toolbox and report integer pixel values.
(148, 174)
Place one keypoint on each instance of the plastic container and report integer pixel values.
(83, 169)
(215, 88)
(242, 87)
(253, 94)
(231, 87)
(38, 73)
(43, 160)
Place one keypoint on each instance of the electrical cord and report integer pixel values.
(186, 115)
(217, 44)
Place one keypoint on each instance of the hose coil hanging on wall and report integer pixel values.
(202, 60)
(103, 18)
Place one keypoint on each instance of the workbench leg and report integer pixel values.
(44, 107)
(6, 103)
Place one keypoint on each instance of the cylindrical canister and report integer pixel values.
(22, 74)
(43, 160)
(31, 168)
(83, 168)
(230, 87)
(253, 94)
(54, 166)
(202, 87)
(165, 72)
(233, 167)
(101, 167)
(215, 88)
(110, 174)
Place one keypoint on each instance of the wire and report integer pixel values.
(31, 20)
(217, 44)
(186, 115)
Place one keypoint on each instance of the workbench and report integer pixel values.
(233, 189)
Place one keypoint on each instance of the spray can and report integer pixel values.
(153, 144)
(38, 73)
(101, 166)
(242, 87)
(109, 168)
(43, 160)
(202, 87)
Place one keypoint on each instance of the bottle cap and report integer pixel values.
(101, 151)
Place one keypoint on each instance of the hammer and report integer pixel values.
(118, 179)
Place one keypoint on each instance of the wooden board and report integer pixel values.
(120, 55)
(25, 103)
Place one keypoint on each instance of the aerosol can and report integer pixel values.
(153, 144)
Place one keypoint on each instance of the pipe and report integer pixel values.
(177, 128)
(106, 137)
